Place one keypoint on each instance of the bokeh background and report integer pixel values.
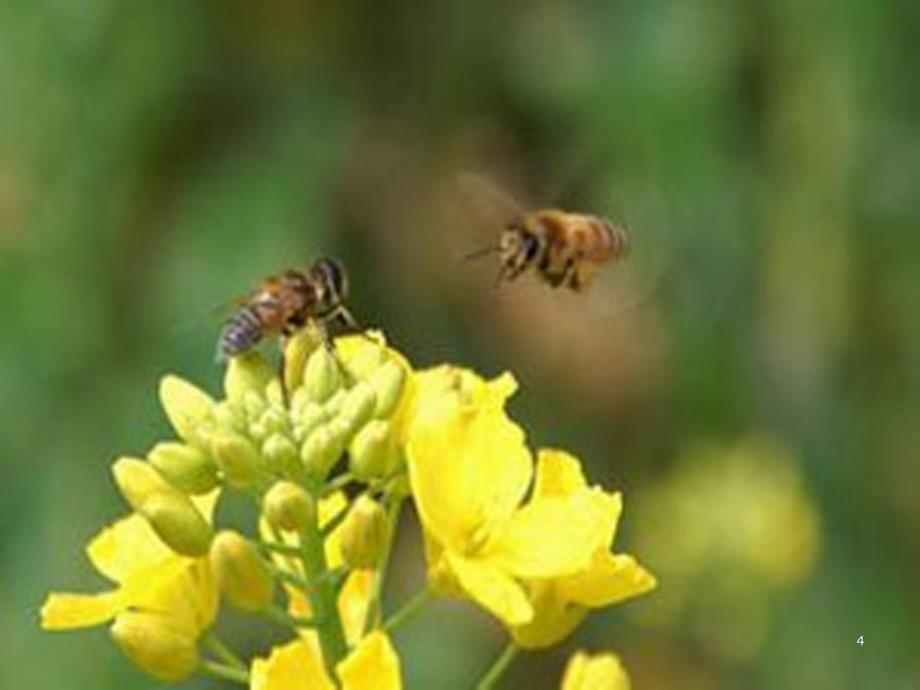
(758, 407)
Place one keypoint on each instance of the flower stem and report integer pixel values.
(375, 606)
(223, 652)
(323, 598)
(408, 610)
(236, 675)
(498, 668)
(276, 547)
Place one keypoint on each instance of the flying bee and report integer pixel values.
(285, 303)
(564, 249)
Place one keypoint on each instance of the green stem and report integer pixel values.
(498, 668)
(375, 606)
(284, 549)
(339, 482)
(291, 578)
(336, 520)
(212, 668)
(223, 652)
(408, 610)
(323, 598)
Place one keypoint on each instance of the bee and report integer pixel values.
(285, 303)
(562, 248)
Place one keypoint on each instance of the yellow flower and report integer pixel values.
(560, 603)
(469, 470)
(371, 665)
(149, 577)
(601, 672)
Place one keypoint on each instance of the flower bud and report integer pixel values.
(138, 481)
(364, 533)
(365, 360)
(288, 506)
(254, 403)
(321, 450)
(388, 382)
(176, 520)
(333, 405)
(311, 416)
(240, 573)
(237, 458)
(274, 393)
(246, 372)
(321, 376)
(373, 452)
(358, 406)
(280, 453)
(155, 644)
(187, 468)
(276, 420)
(186, 406)
(229, 416)
(296, 352)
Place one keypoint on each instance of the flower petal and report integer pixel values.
(551, 537)
(601, 672)
(558, 473)
(372, 665)
(353, 602)
(294, 666)
(492, 589)
(553, 620)
(64, 611)
(469, 469)
(610, 579)
(126, 547)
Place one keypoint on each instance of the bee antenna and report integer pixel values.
(479, 253)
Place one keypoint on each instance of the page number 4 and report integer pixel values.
(860, 641)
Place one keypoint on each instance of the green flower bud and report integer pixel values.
(276, 420)
(255, 404)
(388, 382)
(274, 393)
(364, 533)
(299, 400)
(237, 458)
(373, 452)
(334, 404)
(246, 372)
(321, 450)
(296, 352)
(187, 468)
(230, 416)
(358, 406)
(281, 456)
(176, 520)
(240, 573)
(138, 481)
(155, 644)
(186, 406)
(311, 416)
(288, 506)
(322, 377)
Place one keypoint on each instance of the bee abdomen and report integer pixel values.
(618, 243)
(242, 332)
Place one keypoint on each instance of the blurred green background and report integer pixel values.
(758, 409)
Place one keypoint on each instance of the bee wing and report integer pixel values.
(635, 279)
(480, 210)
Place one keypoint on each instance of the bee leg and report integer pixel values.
(351, 323)
(329, 345)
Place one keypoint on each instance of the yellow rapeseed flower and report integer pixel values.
(469, 470)
(560, 603)
(600, 672)
(149, 577)
(371, 665)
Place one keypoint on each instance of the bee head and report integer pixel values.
(333, 282)
(519, 248)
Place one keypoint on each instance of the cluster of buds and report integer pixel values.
(329, 452)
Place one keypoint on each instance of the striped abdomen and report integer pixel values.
(242, 332)
(589, 238)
